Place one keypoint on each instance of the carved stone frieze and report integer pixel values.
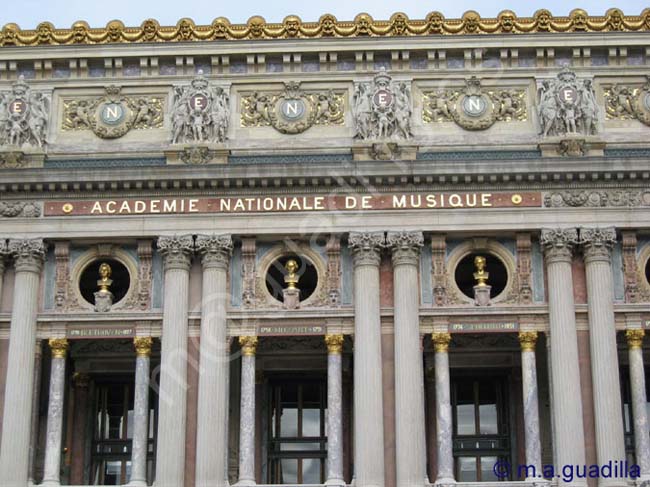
(633, 275)
(141, 298)
(385, 151)
(572, 148)
(24, 116)
(524, 245)
(382, 108)
(567, 106)
(12, 160)
(62, 284)
(196, 155)
(113, 115)
(597, 198)
(439, 267)
(474, 108)
(625, 102)
(200, 112)
(334, 270)
(293, 110)
(248, 250)
(24, 209)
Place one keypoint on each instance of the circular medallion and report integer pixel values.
(383, 98)
(474, 105)
(18, 107)
(516, 199)
(111, 113)
(568, 95)
(292, 109)
(646, 101)
(199, 102)
(67, 208)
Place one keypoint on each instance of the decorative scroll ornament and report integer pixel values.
(294, 110)
(113, 115)
(626, 102)
(25, 209)
(200, 112)
(24, 115)
(567, 106)
(615, 198)
(382, 108)
(12, 160)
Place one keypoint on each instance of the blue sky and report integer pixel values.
(28, 13)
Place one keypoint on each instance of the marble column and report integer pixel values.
(16, 421)
(172, 408)
(247, 411)
(36, 396)
(610, 441)
(334, 410)
(410, 431)
(444, 427)
(639, 403)
(54, 432)
(140, 446)
(566, 407)
(528, 340)
(368, 402)
(81, 392)
(212, 416)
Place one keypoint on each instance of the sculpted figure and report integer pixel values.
(23, 116)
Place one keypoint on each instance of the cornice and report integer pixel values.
(292, 27)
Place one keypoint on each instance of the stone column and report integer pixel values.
(170, 457)
(639, 401)
(247, 411)
(17, 417)
(368, 402)
(334, 410)
(52, 466)
(610, 442)
(141, 412)
(4, 251)
(410, 431)
(81, 391)
(36, 397)
(212, 417)
(528, 339)
(444, 427)
(566, 408)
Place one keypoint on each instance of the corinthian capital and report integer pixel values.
(597, 242)
(405, 246)
(28, 254)
(215, 250)
(366, 247)
(176, 251)
(558, 243)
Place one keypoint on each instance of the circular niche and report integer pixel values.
(464, 274)
(90, 275)
(307, 274)
(647, 270)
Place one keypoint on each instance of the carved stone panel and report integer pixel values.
(24, 116)
(624, 102)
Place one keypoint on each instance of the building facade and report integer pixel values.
(380, 253)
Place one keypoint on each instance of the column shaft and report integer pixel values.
(212, 416)
(247, 412)
(170, 457)
(140, 446)
(610, 442)
(565, 371)
(410, 437)
(531, 406)
(368, 403)
(54, 433)
(639, 401)
(16, 421)
(334, 410)
(444, 425)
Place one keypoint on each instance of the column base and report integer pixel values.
(50, 483)
(335, 482)
(137, 483)
(445, 482)
(245, 483)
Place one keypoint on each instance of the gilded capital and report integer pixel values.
(334, 344)
(27, 253)
(215, 250)
(59, 347)
(441, 341)
(405, 246)
(366, 247)
(248, 345)
(176, 251)
(635, 338)
(143, 346)
(597, 242)
(528, 340)
(558, 243)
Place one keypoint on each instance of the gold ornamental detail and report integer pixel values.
(334, 344)
(143, 346)
(59, 347)
(248, 345)
(635, 338)
(293, 27)
(527, 340)
(441, 341)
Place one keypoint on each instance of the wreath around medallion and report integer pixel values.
(111, 103)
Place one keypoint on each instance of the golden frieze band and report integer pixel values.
(269, 204)
(293, 27)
